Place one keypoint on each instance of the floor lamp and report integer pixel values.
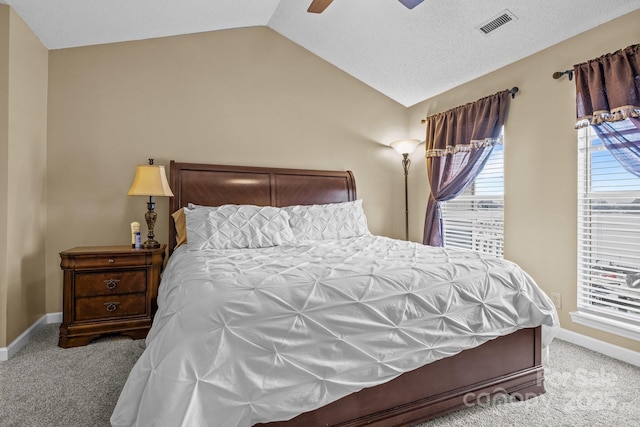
(406, 147)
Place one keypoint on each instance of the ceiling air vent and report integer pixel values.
(505, 17)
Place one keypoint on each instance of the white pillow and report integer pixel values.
(236, 227)
(330, 221)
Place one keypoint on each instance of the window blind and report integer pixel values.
(608, 234)
(475, 219)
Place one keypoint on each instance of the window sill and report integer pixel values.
(606, 324)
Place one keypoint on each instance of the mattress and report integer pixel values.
(244, 336)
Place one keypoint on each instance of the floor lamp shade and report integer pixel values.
(406, 146)
(150, 180)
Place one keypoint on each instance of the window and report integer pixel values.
(475, 219)
(608, 237)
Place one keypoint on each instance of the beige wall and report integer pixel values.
(5, 12)
(250, 96)
(540, 159)
(245, 97)
(22, 239)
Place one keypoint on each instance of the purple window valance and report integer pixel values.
(608, 87)
(464, 128)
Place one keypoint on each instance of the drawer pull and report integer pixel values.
(111, 260)
(111, 306)
(111, 283)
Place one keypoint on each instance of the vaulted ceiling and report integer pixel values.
(407, 54)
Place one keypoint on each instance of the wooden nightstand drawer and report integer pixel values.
(111, 282)
(108, 307)
(109, 261)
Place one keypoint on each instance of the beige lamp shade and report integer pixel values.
(150, 180)
(406, 146)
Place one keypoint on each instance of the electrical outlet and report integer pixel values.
(556, 298)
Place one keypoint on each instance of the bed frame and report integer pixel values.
(510, 364)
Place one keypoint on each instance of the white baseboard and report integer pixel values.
(617, 352)
(7, 352)
(54, 318)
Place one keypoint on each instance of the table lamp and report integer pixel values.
(150, 180)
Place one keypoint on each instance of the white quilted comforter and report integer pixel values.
(244, 336)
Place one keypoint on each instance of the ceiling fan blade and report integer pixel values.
(318, 6)
(410, 3)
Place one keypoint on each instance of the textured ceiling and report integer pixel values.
(408, 55)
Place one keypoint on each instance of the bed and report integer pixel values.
(407, 391)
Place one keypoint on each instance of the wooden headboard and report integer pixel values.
(215, 185)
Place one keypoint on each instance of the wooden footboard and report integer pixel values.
(510, 364)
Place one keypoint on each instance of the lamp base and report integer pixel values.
(151, 244)
(150, 217)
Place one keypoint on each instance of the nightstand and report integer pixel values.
(108, 290)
